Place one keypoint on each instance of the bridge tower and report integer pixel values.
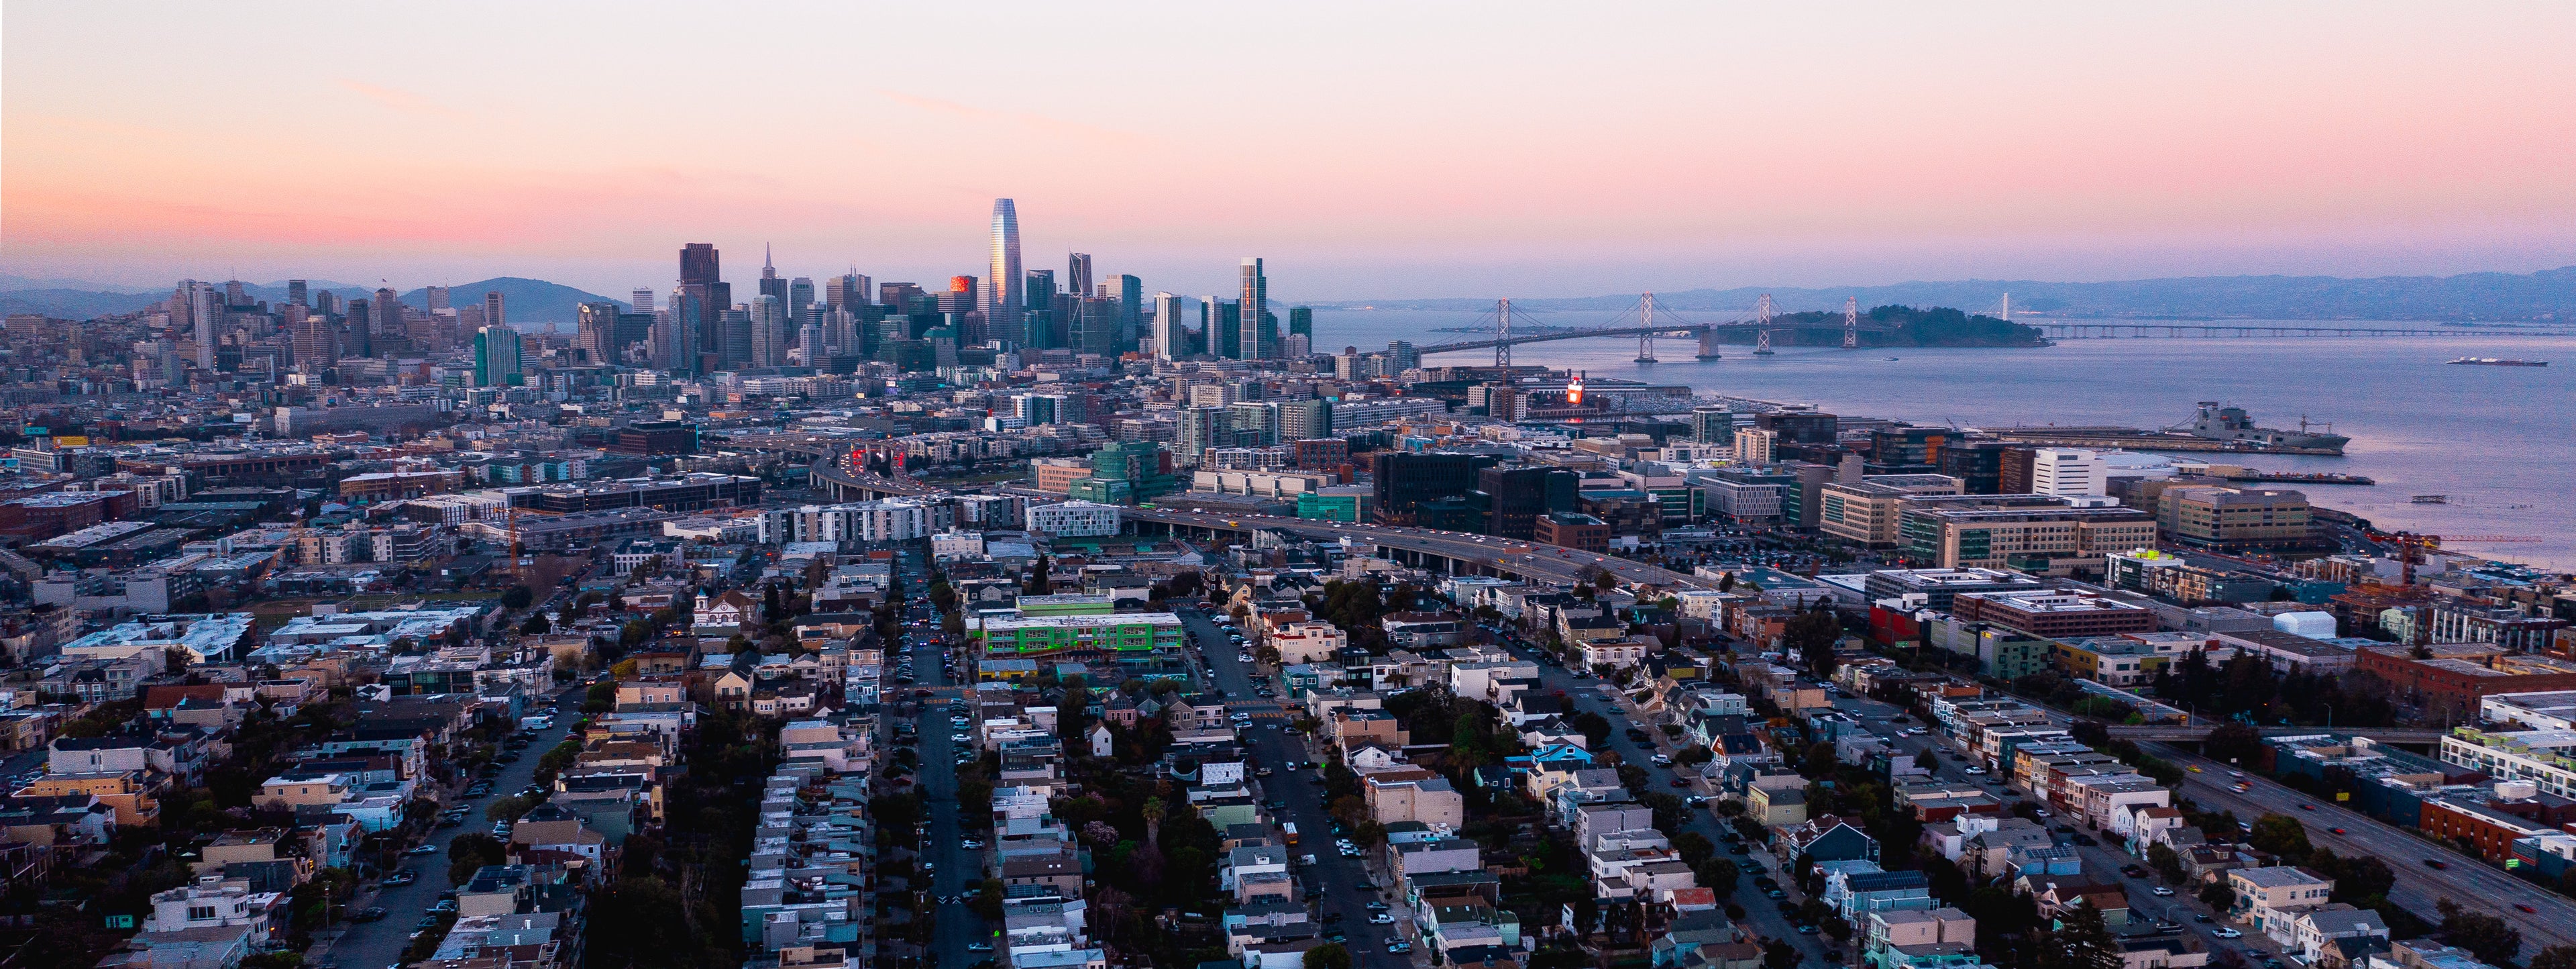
(1851, 322)
(1646, 337)
(1503, 334)
(1762, 319)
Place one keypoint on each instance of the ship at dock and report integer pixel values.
(2495, 362)
(2221, 423)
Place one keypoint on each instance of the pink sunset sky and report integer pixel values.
(1366, 150)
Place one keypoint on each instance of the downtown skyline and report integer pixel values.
(1421, 154)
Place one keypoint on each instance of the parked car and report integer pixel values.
(372, 913)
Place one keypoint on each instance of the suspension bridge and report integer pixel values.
(1649, 327)
(2114, 329)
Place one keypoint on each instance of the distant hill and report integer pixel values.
(523, 300)
(75, 304)
(2549, 295)
(526, 300)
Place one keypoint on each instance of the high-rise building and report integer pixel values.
(699, 264)
(1200, 429)
(1095, 326)
(1301, 322)
(1712, 424)
(1077, 273)
(1225, 336)
(316, 342)
(1301, 420)
(207, 316)
(1171, 332)
(642, 300)
(295, 294)
(687, 314)
(1005, 299)
(1520, 495)
(435, 297)
(595, 332)
(496, 356)
(770, 283)
(735, 351)
(1255, 423)
(236, 293)
(768, 331)
(1979, 465)
(848, 291)
(493, 314)
(1254, 307)
(1754, 445)
(1800, 427)
(1402, 355)
(2068, 472)
(1405, 480)
(702, 277)
(1130, 292)
(800, 294)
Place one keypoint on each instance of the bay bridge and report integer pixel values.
(1760, 324)
(2118, 329)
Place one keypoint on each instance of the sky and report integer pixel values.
(1365, 150)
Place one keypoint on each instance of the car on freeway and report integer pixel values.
(2336, 830)
(2436, 864)
(2307, 807)
(2525, 909)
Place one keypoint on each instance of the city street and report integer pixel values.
(957, 871)
(381, 943)
(1333, 881)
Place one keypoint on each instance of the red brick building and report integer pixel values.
(1572, 531)
(2459, 675)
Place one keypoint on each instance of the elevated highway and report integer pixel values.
(827, 475)
(2196, 732)
(1456, 553)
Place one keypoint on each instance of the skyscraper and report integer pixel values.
(643, 300)
(768, 331)
(1038, 316)
(701, 276)
(362, 329)
(1095, 325)
(1171, 329)
(1301, 322)
(1224, 329)
(1254, 308)
(848, 291)
(492, 310)
(1004, 299)
(389, 313)
(770, 283)
(1131, 308)
(1077, 274)
(800, 294)
(207, 313)
(496, 356)
(735, 349)
(295, 292)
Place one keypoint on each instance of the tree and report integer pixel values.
(2166, 861)
(2487, 936)
(1779, 955)
(536, 625)
(2081, 941)
(2555, 957)
(1926, 759)
(1812, 636)
(1726, 583)
(2219, 896)
(1330, 955)
(1040, 581)
(509, 808)
(1694, 848)
(2280, 834)
(467, 853)
(517, 597)
(2233, 743)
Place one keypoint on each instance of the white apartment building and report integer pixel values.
(893, 520)
(1754, 445)
(1074, 518)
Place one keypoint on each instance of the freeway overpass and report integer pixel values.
(1456, 553)
(2197, 732)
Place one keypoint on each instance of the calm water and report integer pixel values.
(2500, 441)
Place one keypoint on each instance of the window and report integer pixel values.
(201, 913)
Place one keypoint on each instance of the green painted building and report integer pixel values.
(1138, 635)
(1342, 503)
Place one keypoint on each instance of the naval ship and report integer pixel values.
(2220, 423)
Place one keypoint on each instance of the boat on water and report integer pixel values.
(2217, 422)
(2431, 499)
(2496, 362)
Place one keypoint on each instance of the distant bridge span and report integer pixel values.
(2195, 733)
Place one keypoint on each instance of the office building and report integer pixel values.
(1979, 465)
(1746, 495)
(2233, 518)
(1521, 494)
(849, 291)
(735, 350)
(1171, 334)
(1908, 450)
(1130, 293)
(1800, 427)
(206, 314)
(770, 284)
(1300, 420)
(2054, 614)
(2067, 472)
(1402, 355)
(1006, 298)
(1712, 424)
(494, 312)
(1938, 587)
(1253, 313)
(641, 301)
(1074, 518)
(1977, 531)
(1404, 480)
(1754, 445)
(295, 292)
(1222, 320)
(1096, 320)
(1201, 428)
(768, 331)
(1255, 424)
(1301, 322)
(496, 357)
(800, 294)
